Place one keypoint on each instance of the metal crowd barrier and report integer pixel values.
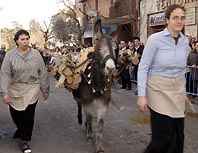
(133, 75)
(191, 76)
(192, 80)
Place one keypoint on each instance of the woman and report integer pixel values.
(161, 83)
(23, 74)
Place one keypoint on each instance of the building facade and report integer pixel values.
(119, 17)
(152, 16)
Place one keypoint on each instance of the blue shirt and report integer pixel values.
(162, 57)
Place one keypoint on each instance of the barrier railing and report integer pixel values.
(192, 80)
(133, 75)
(191, 76)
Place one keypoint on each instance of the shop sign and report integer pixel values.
(182, 2)
(162, 5)
(157, 19)
(190, 16)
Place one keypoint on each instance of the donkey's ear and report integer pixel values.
(98, 30)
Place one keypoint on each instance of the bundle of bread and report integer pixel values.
(67, 68)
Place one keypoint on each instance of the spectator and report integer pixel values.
(192, 61)
(139, 49)
(131, 66)
(2, 54)
(137, 46)
(125, 76)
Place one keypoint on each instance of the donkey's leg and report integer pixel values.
(79, 103)
(79, 113)
(88, 108)
(102, 107)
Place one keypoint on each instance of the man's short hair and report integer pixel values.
(122, 41)
(136, 38)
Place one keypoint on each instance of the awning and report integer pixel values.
(107, 23)
(116, 21)
(88, 34)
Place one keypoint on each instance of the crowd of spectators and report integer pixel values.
(192, 68)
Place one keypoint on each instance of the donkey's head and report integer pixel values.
(104, 50)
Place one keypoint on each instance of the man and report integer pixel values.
(139, 49)
(192, 62)
(125, 76)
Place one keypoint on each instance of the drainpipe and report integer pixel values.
(137, 14)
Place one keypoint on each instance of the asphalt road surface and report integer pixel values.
(56, 129)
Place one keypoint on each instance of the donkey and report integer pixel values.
(93, 93)
(94, 90)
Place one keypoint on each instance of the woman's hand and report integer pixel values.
(187, 100)
(189, 104)
(6, 99)
(142, 103)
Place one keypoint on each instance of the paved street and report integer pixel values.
(57, 131)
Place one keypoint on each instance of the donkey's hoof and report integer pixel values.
(100, 149)
(89, 140)
(79, 121)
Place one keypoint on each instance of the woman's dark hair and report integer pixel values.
(20, 32)
(171, 8)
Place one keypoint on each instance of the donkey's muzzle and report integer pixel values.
(110, 67)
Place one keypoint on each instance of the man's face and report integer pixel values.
(123, 44)
(176, 21)
(136, 42)
(23, 42)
